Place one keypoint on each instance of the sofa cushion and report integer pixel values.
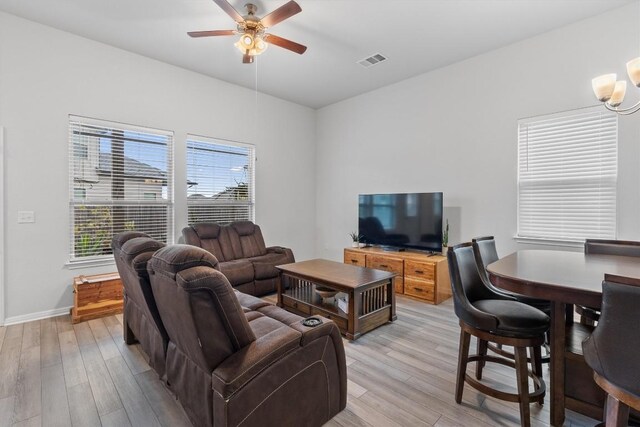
(250, 238)
(265, 265)
(213, 238)
(238, 272)
(279, 314)
(250, 302)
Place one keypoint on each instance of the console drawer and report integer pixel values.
(385, 263)
(419, 288)
(419, 270)
(355, 258)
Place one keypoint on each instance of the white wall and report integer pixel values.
(46, 74)
(454, 130)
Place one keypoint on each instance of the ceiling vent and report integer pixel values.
(372, 60)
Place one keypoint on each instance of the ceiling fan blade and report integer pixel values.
(284, 43)
(211, 33)
(247, 59)
(226, 6)
(280, 14)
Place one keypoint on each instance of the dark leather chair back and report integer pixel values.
(612, 247)
(132, 250)
(484, 249)
(613, 349)
(199, 309)
(468, 287)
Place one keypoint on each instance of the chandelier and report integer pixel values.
(611, 91)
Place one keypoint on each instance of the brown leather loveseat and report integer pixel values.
(243, 256)
(234, 359)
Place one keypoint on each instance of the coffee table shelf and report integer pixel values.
(371, 300)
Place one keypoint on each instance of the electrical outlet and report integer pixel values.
(25, 217)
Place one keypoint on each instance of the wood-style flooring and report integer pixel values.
(53, 373)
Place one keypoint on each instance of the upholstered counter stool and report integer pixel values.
(495, 318)
(613, 349)
(484, 250)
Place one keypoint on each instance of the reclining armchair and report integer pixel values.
(251, 365)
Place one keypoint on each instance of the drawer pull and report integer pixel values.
(295, 305)
(419, 272)
(384, 266)
(355, 261)
(419, 289)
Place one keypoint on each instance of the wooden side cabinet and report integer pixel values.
(417, 275)
(96, 296)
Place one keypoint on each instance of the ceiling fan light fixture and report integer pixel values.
(245, 43)
(259, 46)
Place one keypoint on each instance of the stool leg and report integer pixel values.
(536, 367)
(463, 355)
(617, 413)
(522, 368)
(482, 351)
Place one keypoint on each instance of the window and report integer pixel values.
(220, 180)
(81, 150)
(79, 193)
(567, 175)
(113, 171)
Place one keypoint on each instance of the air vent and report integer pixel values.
(372, 60)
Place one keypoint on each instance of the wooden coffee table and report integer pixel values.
(370, 295)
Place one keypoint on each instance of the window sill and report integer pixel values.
(89, 263)
(549, 242)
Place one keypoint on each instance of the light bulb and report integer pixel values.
(633, 69)
(618, 93)
(603, 86)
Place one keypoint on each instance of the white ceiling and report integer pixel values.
(416, 35)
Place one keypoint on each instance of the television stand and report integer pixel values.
(418, 274)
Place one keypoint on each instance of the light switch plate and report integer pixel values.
(25, 217)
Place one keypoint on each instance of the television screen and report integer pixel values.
(412, 220)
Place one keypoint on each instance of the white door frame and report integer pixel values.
(2, 207)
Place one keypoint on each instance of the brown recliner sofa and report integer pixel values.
(141, 320)
(244, 259)
(235, 360)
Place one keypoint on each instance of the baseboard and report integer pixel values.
(36, 316)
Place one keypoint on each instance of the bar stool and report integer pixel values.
(484, 250)
(499, 319)
(613, 349)
(589, 316)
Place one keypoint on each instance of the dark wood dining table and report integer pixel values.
(565, 279)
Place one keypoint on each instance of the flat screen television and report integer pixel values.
(403, 221)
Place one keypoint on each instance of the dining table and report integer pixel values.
(565, 279)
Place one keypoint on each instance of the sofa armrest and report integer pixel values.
(241, 367)
(281, 250)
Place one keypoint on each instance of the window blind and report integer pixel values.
(120, 179)
(567, 175)
(220, 180)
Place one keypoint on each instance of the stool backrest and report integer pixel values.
(613, 349)
(612, 247)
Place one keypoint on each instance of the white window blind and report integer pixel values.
(220, 180)
(567, 175)
(120, 178)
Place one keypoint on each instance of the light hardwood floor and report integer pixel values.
(401, 374)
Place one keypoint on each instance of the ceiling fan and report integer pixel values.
(254, 40)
